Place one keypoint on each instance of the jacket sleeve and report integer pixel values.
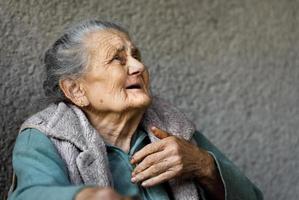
(39, 170)
(237, 186)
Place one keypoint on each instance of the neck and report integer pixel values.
(116, 128)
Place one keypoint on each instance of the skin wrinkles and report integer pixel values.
(111, 108)
(172, 157)
(115, 111)
(103, 48)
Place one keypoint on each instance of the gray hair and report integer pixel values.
(67, 58)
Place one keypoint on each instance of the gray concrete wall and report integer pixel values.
(232, 66)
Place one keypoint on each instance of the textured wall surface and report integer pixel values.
(232, 66)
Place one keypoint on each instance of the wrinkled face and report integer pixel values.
(116, 80)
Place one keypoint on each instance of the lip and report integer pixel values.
(134, 85)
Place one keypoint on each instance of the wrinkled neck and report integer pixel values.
(116, 128)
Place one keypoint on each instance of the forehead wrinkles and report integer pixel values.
(106, 42)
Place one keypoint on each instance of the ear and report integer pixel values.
(74, 91)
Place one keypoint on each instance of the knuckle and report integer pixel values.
(149, 160)
(165, 176)
(173, 139)
(140, 176)
(147, 149)
(139, 168)
(178, 160)
(179, 168)
(175, 148)
(156, 169)
(136, 156)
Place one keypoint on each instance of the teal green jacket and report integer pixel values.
(41, 173)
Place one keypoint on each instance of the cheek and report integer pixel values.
(116, 80)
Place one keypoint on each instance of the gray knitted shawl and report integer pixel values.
(83, 149)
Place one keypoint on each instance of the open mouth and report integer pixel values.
(134, 86)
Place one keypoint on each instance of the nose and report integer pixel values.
(135, 67)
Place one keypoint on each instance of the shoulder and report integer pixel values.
(34, 147)
(33, 137)
(34, 142)
(47, 117)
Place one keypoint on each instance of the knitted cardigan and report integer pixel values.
(83, 149)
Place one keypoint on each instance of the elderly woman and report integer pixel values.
(106, 137)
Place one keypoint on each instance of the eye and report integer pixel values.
(118, 58)
(137, 57)
(136, 54)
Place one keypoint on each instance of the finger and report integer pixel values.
(152, 171)
(159, 133)
(149, 161)
(147, 150)
(158, 179)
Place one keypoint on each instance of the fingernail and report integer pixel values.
(144, 184)
(133, 179)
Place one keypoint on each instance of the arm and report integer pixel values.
(40, 172)
(236, 184)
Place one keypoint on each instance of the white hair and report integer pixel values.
(67, 57)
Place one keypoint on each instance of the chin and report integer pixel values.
(139, 102)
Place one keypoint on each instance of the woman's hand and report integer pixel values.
(169, 158)
(106, 193)
(175, 157)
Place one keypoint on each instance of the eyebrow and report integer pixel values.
(114, 51)
(122, 48)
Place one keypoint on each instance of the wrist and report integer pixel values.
(207, 172)
(211, 180)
